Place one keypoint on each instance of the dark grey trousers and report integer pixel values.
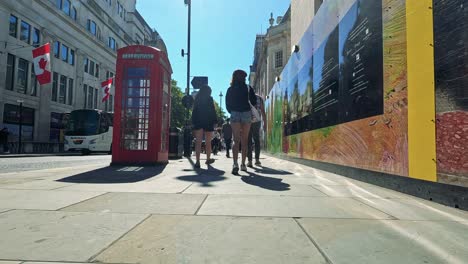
(254, 137)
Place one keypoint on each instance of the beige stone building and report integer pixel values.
(271, 53)
(84, 36)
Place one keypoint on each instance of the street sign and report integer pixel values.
(199, 81)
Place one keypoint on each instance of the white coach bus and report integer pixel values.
(89, 131)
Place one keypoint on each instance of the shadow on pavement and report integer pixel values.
(264, 182)
(204, 176)
(116, 174)
(266, 170)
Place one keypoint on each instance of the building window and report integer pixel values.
(56, 49)
(57, 126)
(58, 4)
(25, 34)
(71, 57)
(33, 82)
(11, 121)
(10, 72)
(64, 53)
(92, 28)
(90, 97)
(13, 26)
(55, 87)
(91, 67)
(279, 59)
(36, 37)
(85, 92)
(111, 103)
(86, 65)
(95, 98)
(73, 13)
(66, 7)
(70, 91)
(119, 9)
(63, 90)
(111, 43)
(98, 35)
(22, 81)
(97, 71)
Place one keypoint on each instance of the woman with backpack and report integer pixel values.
(204, 120)
(239, 99)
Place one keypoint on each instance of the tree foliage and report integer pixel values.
(178, 110)
(220, 113)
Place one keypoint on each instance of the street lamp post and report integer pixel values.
(221, 99)
(20, 139)
(187, 130)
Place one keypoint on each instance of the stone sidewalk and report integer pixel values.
(280, 213)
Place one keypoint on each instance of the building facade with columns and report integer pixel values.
(84, 37)
(271, 53)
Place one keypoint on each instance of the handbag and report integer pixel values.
(253, 110)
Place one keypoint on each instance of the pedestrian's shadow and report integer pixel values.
(205, 177)
(270, 171)
(116, 174)
(269, 183)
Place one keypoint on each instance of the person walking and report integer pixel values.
(4, 140)
(227, 135)
(254, 135)
(203, 121)
(237, 103)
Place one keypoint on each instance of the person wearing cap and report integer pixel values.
(237, 103)
(204, 119)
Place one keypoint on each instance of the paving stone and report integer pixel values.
(37, 185)
(160, 186)
(359, 191)
(146, 203)
(416, 209)
(389, 241)
(60, 236)
(323, 207)
(252, 186)
(39, 199)
(195, 239)
(27, 262)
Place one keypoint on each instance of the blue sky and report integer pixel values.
(223, 35)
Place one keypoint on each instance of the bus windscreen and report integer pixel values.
(83, 123)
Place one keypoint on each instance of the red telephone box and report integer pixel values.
(142, 106)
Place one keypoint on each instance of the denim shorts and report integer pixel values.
(241, 117)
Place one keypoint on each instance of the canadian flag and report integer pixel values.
(41, 59)
(106, 85)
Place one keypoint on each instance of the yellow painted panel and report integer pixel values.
(421, 91)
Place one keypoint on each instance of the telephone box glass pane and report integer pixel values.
(135, 109)
(165, 112)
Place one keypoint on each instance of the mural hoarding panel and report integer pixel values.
(451, 84)
(374, 136)
(368, 126)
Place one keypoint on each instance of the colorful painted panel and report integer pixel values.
(344, 98)
(451, 75)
